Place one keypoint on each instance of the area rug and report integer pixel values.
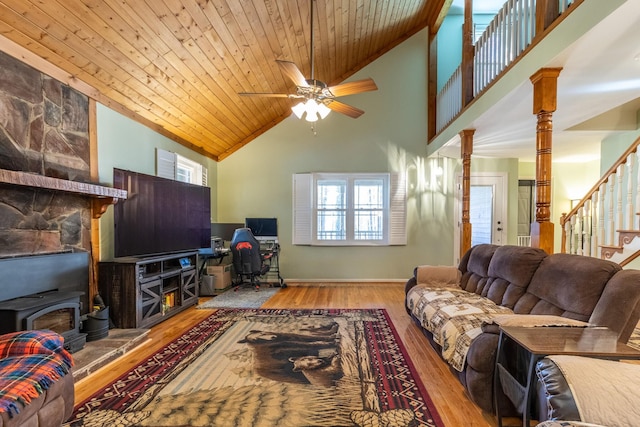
(252, 367)
(242, 298)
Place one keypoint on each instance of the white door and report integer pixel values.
(487, 210)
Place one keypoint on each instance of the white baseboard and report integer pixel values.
(343, 282)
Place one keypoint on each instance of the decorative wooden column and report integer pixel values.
(432, 86)
(96, 211)
(468, 50)
(466, 150)
(544, 104)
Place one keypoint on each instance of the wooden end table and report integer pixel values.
(541, 341)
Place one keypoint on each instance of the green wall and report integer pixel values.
(125, 144)
(390, 136)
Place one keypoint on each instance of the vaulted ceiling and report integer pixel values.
(178, 65)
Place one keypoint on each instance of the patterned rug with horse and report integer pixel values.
(257, 367)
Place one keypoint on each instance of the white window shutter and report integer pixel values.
(165, 164)
(398, 210)
(302, 208)
(205, 176)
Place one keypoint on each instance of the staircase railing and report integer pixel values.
(607, 216)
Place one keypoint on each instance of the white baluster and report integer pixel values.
(637, 209)
(619, 207)
(587, 229)
(579, 223)
(573, 248)
(628, 221)
(567, 240)
(598, 220)
(610, 218)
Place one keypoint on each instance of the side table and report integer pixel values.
(541, 341)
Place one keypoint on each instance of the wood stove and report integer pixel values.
(45, 292)
(54, 310)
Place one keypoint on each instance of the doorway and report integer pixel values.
(487, 210)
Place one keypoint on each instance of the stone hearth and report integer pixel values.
(99, 353)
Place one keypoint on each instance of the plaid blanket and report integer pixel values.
(453, 316)
(29, 363)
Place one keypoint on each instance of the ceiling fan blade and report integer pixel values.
(341, 107)
(292, 71)
(265, 95)
(350, 88)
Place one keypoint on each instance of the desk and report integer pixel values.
(538, 342)
(205, 254)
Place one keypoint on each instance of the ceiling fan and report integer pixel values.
(317, 99)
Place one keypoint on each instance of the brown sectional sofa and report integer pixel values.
(529, 281)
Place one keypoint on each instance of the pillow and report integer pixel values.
(30, 342)
(438, 276)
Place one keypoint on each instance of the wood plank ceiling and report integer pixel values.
(178, 65)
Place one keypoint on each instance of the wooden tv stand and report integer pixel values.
(143, 291)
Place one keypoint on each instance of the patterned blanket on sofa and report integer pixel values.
(30, 361)
(453, 316)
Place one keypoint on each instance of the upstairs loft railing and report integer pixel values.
(607, 216)
(510, 32)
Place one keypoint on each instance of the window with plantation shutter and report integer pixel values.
(174, 166)
(349, 209)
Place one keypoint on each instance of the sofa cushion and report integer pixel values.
(500, 273)
(567, 285)
(626, 301)
(514, 266)
(475, 268)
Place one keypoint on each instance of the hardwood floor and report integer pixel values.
(444, 389)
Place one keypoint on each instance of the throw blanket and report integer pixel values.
(30, 362)
(605, 391)
(536, 320)
(454, 317)
(438, 275)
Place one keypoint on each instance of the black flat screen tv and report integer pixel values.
(160, 215)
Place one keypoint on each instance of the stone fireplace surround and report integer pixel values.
(44, 130)
(45, 222)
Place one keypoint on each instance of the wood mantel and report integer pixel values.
(101, 196)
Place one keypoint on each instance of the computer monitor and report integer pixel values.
(264, 229)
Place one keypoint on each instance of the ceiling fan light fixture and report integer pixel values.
(323, 110)
(298, 109)
(311, 107)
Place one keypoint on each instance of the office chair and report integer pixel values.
(248, 262)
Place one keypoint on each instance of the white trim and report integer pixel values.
(166, 163)
(302, 208)
(304, 211)
(502, 181)
(398, 209)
